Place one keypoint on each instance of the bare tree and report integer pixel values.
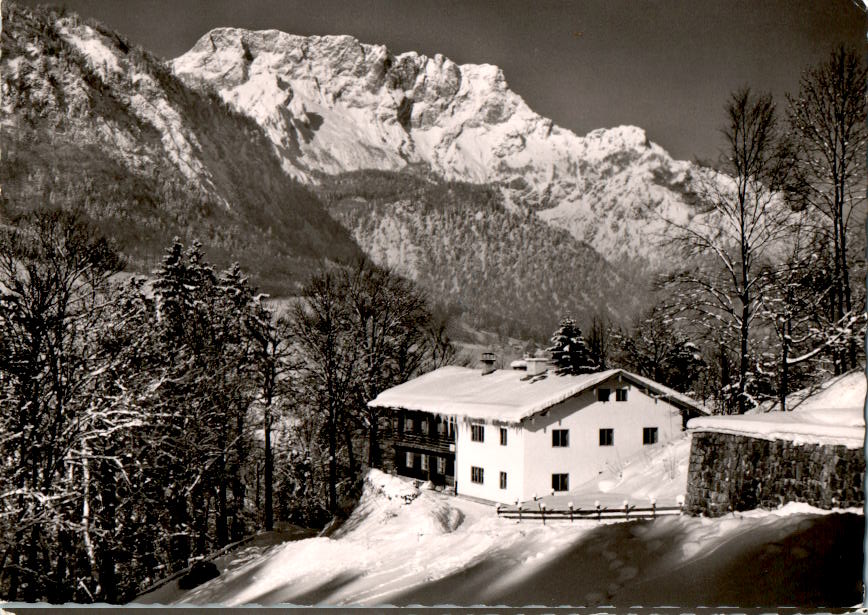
(54, 273)
(600, 341)
(321, 328)
(654, 347)
(273, 359)
(729, 244)
(790, 305)
(396, 336)
(828, 120)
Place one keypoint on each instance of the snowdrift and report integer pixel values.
(391, 509)
(389, 542)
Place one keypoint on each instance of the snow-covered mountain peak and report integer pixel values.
(331, 104)
(608, 140)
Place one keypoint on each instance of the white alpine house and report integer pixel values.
(511, 435)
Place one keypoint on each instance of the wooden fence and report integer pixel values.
(598, 513)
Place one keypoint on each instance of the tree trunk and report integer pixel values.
(725, 378)
(63, 583)
(745, 297)
(85, 508)
(106, 564)
(238, 491)
(179, 543)
(269, 474)
(333, 461)
(845, 279)
(838, 294)
(374, 456)
(202, 506)
(14, 563)
(348, 439)
(744, 361)
(222, 512)
(32, 591)
(785, 368)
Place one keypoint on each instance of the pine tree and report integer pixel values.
(570, 352)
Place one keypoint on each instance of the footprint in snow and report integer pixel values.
(594, 598)
(627, 573)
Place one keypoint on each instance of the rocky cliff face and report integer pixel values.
(92, 122)
(331, 104)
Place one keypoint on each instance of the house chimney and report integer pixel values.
(536, 365)
(488, 359)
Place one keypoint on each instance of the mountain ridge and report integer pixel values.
(331, 104)
(92, 122)
(506, 271)
(152, 151)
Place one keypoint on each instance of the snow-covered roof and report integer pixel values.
(835, 415)
(503, 395)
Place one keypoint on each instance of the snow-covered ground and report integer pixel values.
(658, 472)
(833, 415)
(398, 537)
(408, 545)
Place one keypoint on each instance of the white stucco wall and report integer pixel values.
(493, 458)
(584, 416)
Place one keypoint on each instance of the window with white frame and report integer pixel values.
(503, 436)
(503, 480)
(477, 432)
(424, 462)
(476, 475)
(649, 435)
(620, 394)
(408, 459)
(441, 465)
(607, 437)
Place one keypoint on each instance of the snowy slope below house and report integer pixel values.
(403, 545)
(658, 472)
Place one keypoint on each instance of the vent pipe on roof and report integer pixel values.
(488, 360)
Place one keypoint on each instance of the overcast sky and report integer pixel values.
(665, 65)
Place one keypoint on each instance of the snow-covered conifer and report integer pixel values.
(569, 350)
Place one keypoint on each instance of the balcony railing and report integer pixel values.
(432, 442)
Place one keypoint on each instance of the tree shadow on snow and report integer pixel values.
(802, 560)
(318, 595)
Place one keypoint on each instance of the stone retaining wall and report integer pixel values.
(730, 472)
